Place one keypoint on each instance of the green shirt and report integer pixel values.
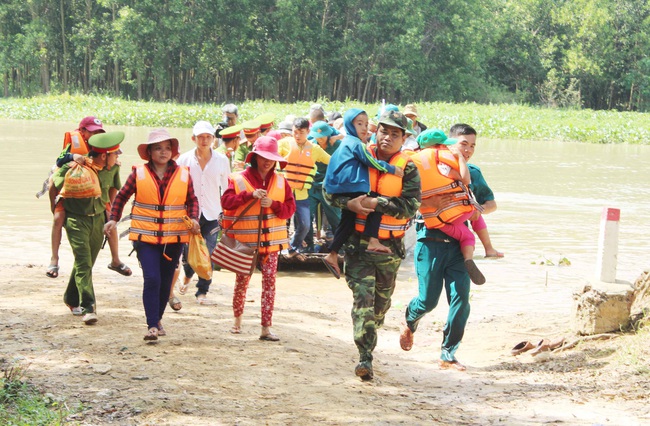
(479, 186)
(109, 179)
(242, 152)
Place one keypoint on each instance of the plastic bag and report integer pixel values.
(198, 257)
(81, 182)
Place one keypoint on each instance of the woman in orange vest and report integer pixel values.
(163, 195)
(277, 204)
(444, 171)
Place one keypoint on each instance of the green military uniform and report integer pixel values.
(242, 152)
(109, 179)
(221, 149)
(84, 225)
(249, 127)
(371, 277)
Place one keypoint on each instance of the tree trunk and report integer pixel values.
(45, 75)
(340, 86)
(65, 46)
(289, 94)
(139, 83)
(365, 89)
(116, 63)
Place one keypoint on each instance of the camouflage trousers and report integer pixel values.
(371, 277)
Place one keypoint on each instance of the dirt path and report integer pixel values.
(200, 374)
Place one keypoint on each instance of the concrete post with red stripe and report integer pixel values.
(608, 245)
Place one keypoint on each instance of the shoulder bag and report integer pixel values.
(233, 255)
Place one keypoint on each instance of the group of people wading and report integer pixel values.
(370, 179)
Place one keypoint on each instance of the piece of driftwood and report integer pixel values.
(574, 343)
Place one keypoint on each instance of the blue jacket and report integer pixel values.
(348, 168)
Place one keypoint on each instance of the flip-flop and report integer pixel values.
(336, 274)
(235, 330)
(299, 256)
(161, 330)
(52, 271)
(270, 338)
(175, 301)
(152, 334)
(182, 288)
(474, 273)
(121, 269)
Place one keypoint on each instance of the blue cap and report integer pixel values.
(320, 129)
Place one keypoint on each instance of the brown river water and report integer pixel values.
(550, 197)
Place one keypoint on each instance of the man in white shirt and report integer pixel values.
(209, 170)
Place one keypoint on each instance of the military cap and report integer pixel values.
(106, 142)
(251, 127)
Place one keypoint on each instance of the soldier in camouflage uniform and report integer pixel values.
(371, 277)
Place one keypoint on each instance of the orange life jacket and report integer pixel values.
(388, 185)
(274, 234)
(77, 143)
(157, 221)
(300, 166)
(434, 183)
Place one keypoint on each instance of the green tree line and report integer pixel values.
(565, 53)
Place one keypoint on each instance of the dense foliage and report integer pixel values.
(578, 53)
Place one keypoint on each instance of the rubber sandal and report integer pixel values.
(235, 330)
(52, 271)
(182, 289)
(161, 330)
(121, 269)
(299, 256)
(175, 303)
(152, 334)
(334, 272)
(270, 338)
(474, 273)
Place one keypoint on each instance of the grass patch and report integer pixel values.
(635, 352)
(503, 121)
(22, 404)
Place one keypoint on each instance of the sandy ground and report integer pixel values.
(200, 374)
